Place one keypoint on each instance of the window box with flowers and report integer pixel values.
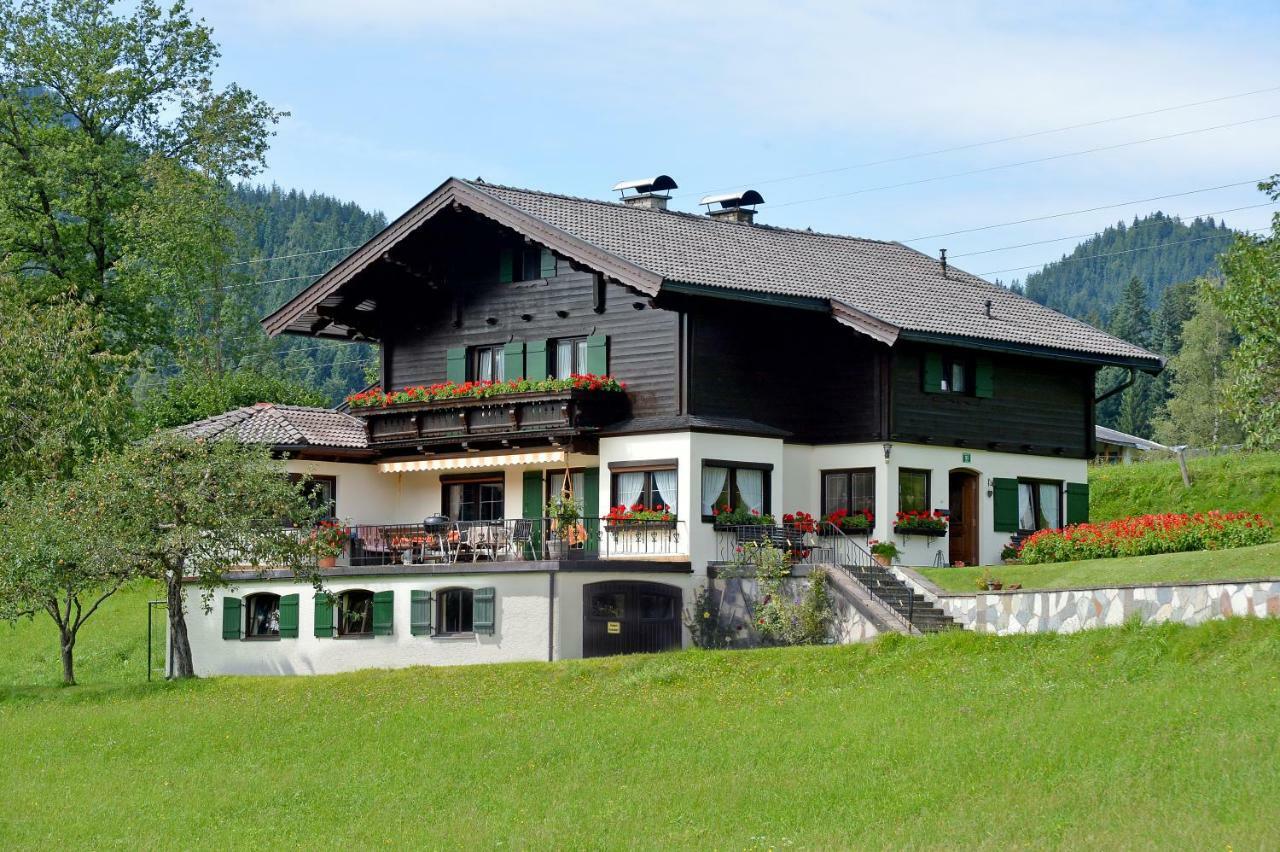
(930, 524)
(729, 517)
(861, 522)
(446, 391)
(638, 516)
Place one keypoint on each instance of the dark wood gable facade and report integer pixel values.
(460, 296)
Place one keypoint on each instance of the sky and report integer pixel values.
(802, 101)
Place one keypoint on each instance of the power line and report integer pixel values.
(972, 145)
(152, 380)
(289, 256)
(1083, 210)
(1161, 246)
(1143, 224)
(1001, 166)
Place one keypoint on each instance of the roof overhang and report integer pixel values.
(303, 314)
(1152, 365)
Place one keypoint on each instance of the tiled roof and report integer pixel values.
(283, 425)
(885, 281)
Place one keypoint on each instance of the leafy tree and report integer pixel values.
(196, 394)
(1250, 299)
(62, 398)
(59, 554)
(1195, 413)
(195, 510)
(90, 100)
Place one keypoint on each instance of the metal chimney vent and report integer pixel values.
(650, 193)
(733, 206)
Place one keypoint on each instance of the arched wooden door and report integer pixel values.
(630, 617)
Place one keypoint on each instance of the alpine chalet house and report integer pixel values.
(584, 405)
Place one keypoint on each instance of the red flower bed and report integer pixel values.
(1143, 535)
(377, 398)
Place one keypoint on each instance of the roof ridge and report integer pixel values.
(697, 217)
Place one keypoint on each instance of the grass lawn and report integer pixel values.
(1234, 482)
(1156, 736)
(1237, 563)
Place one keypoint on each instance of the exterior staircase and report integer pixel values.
(913, 607)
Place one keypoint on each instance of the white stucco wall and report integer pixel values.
(522, 610)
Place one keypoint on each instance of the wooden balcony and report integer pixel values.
(498, 421)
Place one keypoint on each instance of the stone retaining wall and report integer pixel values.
(1069, 610)
(737, 595)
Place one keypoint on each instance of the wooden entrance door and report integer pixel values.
(963, 503)
(629, 617)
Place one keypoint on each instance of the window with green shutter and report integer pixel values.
(548, 264)
(531, 505)
(983, 382)
(598, 354)
(506, 266)
(513, 358)
(231, 618)
(383, 613)
(932, 372)
(1005, 496)
(536, 363)
(289, 617)
(419, 612)
(324, 616)
(1077, 502)
(484, 610)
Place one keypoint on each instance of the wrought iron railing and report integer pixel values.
(511, 540)
(815, 544)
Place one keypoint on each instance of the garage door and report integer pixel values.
(630, 617)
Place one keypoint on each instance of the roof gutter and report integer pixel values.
(1153, 365)
(1126, 383)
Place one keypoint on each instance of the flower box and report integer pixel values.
(927, 532)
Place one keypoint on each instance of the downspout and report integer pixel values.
(1133, 375)
(551, 616)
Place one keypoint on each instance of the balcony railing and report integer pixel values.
(518, 540)
(557, 412)
(824, 544)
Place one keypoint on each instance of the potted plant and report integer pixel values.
(1010, 554)
(988, 583)
(921, 523)
(884, 552)
(860, 522)
(566, 522)
(329, 538)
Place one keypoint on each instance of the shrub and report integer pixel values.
(781, 619)
(703, 621)
(1144, 535)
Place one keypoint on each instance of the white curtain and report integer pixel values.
(665, 482)
(1026, 507)
(564, 359)
(1049, 504)
(751, 488)
(629, 487)
(713, 480)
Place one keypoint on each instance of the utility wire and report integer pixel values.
(157, 379)
(1002, 166)
(289, 256)
(1142, 224)
(1161, 246)
(1084, 210)
(972, 145)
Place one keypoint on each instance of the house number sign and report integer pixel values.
(615, 627)
(965, 458)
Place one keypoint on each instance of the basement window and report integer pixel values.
(262, 616)
(455, 609)
(355, 613)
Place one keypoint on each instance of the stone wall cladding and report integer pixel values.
(1070, 610)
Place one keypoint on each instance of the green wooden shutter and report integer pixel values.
(513, 360)
(591, 505)
(1077, 502)
(932, 372)
(532, 508)
(1005, 495)
(383, 613)
(536, 360)
(231, 618)
(324, 616)
(419, 612)
(483, 612)
(289, 617)
(983, 385)
(457, 365)
(598, 354)
(548, 264)
(505, 267)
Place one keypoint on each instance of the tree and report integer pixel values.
(58, 554)
(89, 100)
(1195, 413)
(1129, 410)
(195, 510)
(196, 394)
(1250, 299)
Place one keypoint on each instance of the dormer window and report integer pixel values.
(528, 263)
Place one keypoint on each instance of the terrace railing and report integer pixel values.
(511, 540)
(823, 543)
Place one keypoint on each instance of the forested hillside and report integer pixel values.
(293, 237)
(1158, 250)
